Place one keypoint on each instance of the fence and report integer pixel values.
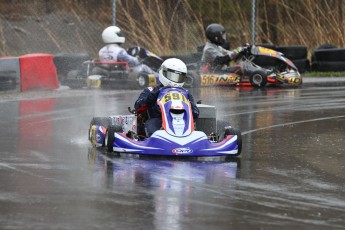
(165, 27)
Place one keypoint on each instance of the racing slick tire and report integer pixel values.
(74, 80)
(110, 136)
(142, 81)
(103, 121)
(293, 52)
(321, 47)
(328, 66)
(258, 78)
(189, 81)
(303, 65)
(233, 131)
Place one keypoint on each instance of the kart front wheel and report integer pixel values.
(103, 121)
(237, 132)
(110, 136)
(258, 79)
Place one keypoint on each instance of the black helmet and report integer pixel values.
(216, 33)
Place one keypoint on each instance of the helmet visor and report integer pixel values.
(224, 36)
(173, 75)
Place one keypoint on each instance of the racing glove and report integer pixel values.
(152, 98)
(245, 48)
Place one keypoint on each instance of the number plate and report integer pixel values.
(93, 81)
(215, 79)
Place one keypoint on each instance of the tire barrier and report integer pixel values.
(297, 54)
(328, 66)
(293, 52)
(65, 62)
(9, 73)
(323, 46)
(329, 55)
(38, 72)
(303, 65)
(324, 58)
(328, 58)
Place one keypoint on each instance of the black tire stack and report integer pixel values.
(298, 54)
(65, 62)
(328, 58)
(266, 61)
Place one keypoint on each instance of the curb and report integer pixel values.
(323, 81)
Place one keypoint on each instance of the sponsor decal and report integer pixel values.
(152, 80)
(214, 79)
(182, 150)
(98, 138)
(92, 136)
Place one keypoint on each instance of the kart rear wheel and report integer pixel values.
(258, 78)
(233, 131)
(190, 81)
(75, 80)
(110, 136)
(143, 81)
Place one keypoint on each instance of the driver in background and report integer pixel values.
(214, 55)
(172, 73)
(113, 52)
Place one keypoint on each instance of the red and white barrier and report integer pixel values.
(38, 72)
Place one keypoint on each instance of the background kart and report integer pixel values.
(115, 74)
(246, 72)
(178, 136)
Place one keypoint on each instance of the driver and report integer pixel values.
(214, 55)
(113, 52)
(172, 73)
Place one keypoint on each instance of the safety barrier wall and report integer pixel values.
(9, 72)
(38, 72)
(325, 58)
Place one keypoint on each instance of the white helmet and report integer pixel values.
(113, 34)
(172, 72)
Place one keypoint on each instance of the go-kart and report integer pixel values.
(97, 74)
(246, 72)
(179, 135)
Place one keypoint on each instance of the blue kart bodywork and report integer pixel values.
(177, 137)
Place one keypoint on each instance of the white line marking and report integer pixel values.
(292, 123)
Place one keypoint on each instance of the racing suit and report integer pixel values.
(148, 98)
(115, 53)
(214, 56)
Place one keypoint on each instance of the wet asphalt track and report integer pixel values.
(290, 174)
